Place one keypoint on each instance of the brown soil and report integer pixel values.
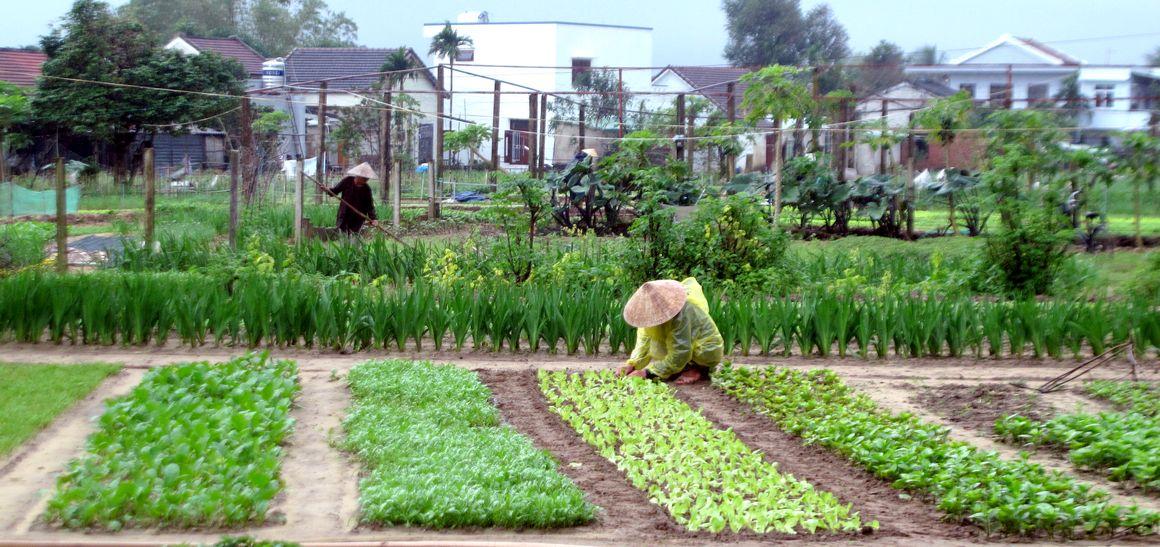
(979, 406)
(898, 516)
(624, 509)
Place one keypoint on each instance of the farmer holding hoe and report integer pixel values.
(356, 203)
(675, 336)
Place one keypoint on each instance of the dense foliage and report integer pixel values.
(194, 445)
(436, 454)
(1009, 496)
(703, 476)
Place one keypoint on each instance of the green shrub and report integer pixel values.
(22, 243)
(1026, 258)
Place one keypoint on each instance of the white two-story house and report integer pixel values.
(1014, 72)
(532, 56)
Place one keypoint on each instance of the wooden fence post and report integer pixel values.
(249, 168)
(882, 152)
(731, 112)
(543, 135)
(299, 197)
(583, 127)
(533, 123)
(495, 133)
(385, 147)
(320, 157)
(690, 138)
(620, 101)
(150, 169)
(910, 179)
(437, 161)
(61, 219)
(396, 193)
(776, 172)
(235, 160)
(679, 150)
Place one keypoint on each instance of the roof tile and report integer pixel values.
(20, 67)
(711, 81)
(311, 64)
(232, 48)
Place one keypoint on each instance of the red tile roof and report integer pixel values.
(20, 67)
(232, 48)
(711, 82)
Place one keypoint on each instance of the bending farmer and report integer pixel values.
(675, 336)
(354, 193)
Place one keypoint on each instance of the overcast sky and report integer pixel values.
(692, 31)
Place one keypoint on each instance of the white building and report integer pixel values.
(712, 84)
(1020, 72)
(532, 56)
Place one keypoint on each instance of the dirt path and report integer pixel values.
(870, 496)
(29, 475)
(321, 495)
(899, 399)
(318, 360)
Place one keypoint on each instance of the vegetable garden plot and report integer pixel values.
(1125, 445)
(195, 445)
(436, 455)
(1016, 497)
(27, 407)
(705, 477)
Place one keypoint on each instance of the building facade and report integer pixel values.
(527, 57)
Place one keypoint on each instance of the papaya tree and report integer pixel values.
(943, 120)
(777, 93)
(1139, 167)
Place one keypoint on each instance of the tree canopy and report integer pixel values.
(273, 27)
(881, 68)
(768, 32)
(95, 45)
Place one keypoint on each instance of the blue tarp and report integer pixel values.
(469, 197)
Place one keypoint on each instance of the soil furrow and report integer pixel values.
(871, 497)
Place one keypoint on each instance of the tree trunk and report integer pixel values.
(951, 206)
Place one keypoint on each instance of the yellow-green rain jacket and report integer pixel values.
(691, 336)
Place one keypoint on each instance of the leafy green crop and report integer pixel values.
(1010, 496)
(1124, 444)
(1139, 397)
(704, 476)
(195, 445)
(436, 454)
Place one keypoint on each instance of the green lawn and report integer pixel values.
(31, 396)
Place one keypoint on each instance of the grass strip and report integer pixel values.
(194, 445)
(1014, 497)
(435, 454)
(32, 396)
(704, 476)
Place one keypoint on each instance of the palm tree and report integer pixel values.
(449, 44)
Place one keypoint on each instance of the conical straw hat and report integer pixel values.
(654, 303)
(363, 170)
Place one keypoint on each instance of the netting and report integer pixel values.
(17, 200)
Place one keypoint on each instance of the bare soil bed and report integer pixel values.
(979, 406)
(319, 504)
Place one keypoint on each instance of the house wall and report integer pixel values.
(1020, 81)
(534, 45)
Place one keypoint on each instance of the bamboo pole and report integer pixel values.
(533, 122)
(679, 149)
(583, 126)
(385, 147)
(776, 172)
(731, 112)
(249, 168)
(620, 101)
(150, 196)
(61, 219)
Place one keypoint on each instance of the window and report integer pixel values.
(969, 88)
(465, 56)
(1000, 95)
(1105, 96)
(580, 69)
(1036, 93)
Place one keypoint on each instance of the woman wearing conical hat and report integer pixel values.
(355, 197)
(675, 337)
